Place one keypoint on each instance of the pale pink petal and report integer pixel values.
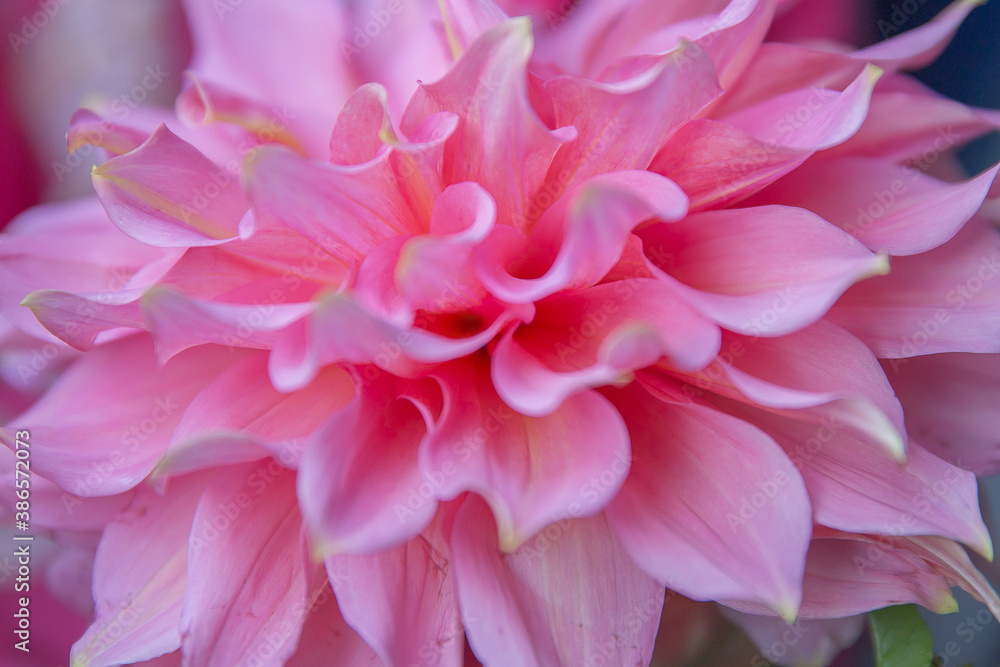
(167, 193)
(571, 596)
(596, 336)
(950, 401)
(766, 270)
(346, 210)
(679, 511)
(889, 208)
(240, 416)
(107, 421)
(245, 579)
(139, 578)
(362, 128)
(465, 20)
(359, 485)
(944, 300)
(531, 470)
(88, 128)
(402, 601)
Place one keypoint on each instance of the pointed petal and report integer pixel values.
(716, 510)
(139, 578)
(346, 211)
(944, 300)
(241, 415)
(766, 270)
(402, 601)
(571, 597)
(889, 208)
(123, 411)
(359, 485)
(245, 580)
(487, 88)
(621, 125)
(531, 470)
(184, 200)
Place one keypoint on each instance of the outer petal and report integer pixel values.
(569, 598)
(945, 300)
(245, 570)
(804, 642)
(166, 193)
(597, 336)
(892, 209)
(359, 476)
(139, 578)
(241, 417)
(950, 400)
(124, 411)
(767, 270)
(402, 601)
(679, 512)
(717, 163)
(531, 470)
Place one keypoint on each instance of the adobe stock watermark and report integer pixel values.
(32, 25)
(375, 21)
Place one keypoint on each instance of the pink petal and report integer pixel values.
(87, 128)
(766, 270)
(123, 411)
(240, 417)
(292, 53)
(819, 375)
(359, 485)
(621, 125)
(487, 88)
(402, 601)
(347, 211)
(570, 596)
(889, 208)
(325, 633)
(596, 336)
(531, 470)
(245, 579)
(944, 300)
(139, 578)
(681, 514)
(340, 330)
(578, 240)
(185, 200)
(717, 163)
(950, 400)
(363, 122)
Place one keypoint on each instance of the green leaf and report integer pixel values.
(900, 637)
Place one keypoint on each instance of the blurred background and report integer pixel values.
(59, 54)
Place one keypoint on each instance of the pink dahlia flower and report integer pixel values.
(622, 302)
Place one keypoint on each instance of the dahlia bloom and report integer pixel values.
(621, 302)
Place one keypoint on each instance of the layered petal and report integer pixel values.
(570, 596)
(681, 513)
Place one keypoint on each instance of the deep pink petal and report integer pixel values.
(570, 596)
(531, 470)
(679, 513)
(402, 601)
